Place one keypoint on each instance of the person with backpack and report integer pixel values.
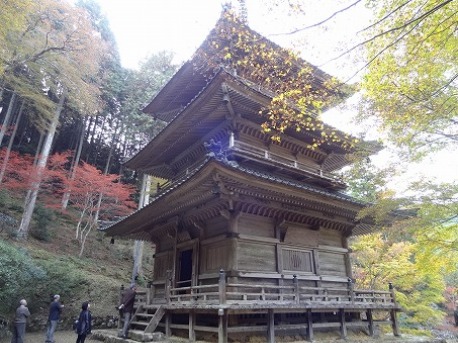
(84, 326)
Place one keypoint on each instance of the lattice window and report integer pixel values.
(298, 260)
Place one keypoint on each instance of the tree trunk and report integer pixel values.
(10, 143)
(6, 120)
(99, 200)
(75, 163)
(98, 142)
(138, 245)
(30, 201)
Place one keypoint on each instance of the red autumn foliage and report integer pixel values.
(90, 183)
(85, 189)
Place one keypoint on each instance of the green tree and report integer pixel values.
(412, 248)
(13, 18)
(411, 80)
(140, 87)
(61, 50)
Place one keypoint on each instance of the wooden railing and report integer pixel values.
(240, 293)
(258, 153)
(290, 162)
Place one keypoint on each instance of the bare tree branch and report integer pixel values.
(415, 20)
(320, 22)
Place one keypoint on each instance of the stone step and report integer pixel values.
(140, 336)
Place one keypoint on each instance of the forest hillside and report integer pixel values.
(40, 268)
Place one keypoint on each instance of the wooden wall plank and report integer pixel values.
(256, 257)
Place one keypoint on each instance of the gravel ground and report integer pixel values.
(70, 337)
(59, 336)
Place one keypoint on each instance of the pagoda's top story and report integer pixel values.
(251, 225)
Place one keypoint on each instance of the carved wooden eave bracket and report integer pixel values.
(224, 193)
(227, 101)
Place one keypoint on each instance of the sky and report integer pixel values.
(145, 27)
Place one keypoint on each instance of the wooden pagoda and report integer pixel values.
(250, 234)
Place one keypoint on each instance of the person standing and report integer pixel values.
(20, 320)
(127, 306)
(54, 314)
(84, 326)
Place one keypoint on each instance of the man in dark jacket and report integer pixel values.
(54, 314)
(127, 306)
(20, 320)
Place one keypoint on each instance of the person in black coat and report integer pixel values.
(84, 326)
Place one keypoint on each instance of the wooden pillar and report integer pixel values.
(370, 321)
(351, 290)
(310, 325)
(121, 290)
(296, 288)
(394, 319)
(222, 326)
(394, 323)
(192, 325)
(168, 318)
(222, 287)
(343, 325)
(148, 293)
(271, 326)
(168, 285)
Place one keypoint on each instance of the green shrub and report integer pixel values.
(9, 202)
(35, 280)
(44, 217)
(18, 277)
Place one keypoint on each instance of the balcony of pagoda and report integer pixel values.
(241, 295)
(283, 164)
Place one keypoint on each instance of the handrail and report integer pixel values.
(240, 293)
(256, 152)
(266, 154)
